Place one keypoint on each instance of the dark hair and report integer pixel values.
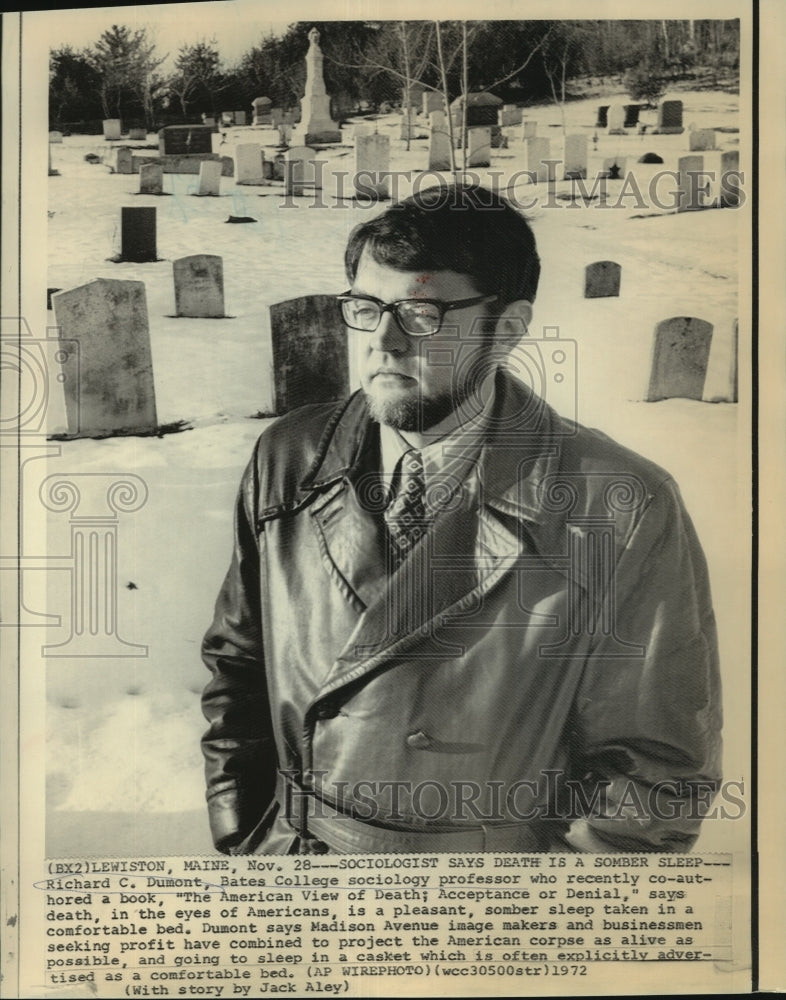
(463, 228)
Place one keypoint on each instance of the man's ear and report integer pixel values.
(513, 323)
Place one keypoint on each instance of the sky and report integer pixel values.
(236, 26)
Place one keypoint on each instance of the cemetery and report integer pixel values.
(644, 290)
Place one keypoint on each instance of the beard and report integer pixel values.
(411, 414)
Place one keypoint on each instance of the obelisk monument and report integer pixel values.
(316, 125)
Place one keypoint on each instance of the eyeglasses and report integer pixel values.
(417, 317)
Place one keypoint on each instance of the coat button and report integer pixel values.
(419, 740)
(327, 710)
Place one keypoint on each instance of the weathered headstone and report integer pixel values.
(137, 133)
(482, 109)
(56, 137)
(261, 106)
(316, 125)
(602, 118)
(124, 161)
(227, 117)
(112, 131)
(138, 235)
(439, 142)
(209, 179)
(310, 363)
(509, 114)
(539, 160)
(530, 130)
(151, 179)
(372, 166)
(199, 286)
(240, 118)
(632, 115)
(700, 139)
(479, 146)
(432, 101)
(248, 163)
(173, 139)
(669, 118)
(680, 352)
(730, 178)
(575, 157)
(693, 189)
(110, 390)
(299, 169)
(616, 119)
(602, 279)
(276, 116)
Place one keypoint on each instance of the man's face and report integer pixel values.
(403, 387)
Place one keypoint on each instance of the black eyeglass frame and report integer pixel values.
(393, 307)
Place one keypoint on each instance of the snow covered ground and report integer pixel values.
(123, 762)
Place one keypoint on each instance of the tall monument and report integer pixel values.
(316, 125)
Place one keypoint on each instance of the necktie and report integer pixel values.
(405, 517)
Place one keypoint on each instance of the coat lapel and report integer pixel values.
(468, 551)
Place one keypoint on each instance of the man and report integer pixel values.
(454, 620)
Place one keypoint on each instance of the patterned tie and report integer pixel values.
(405, 517)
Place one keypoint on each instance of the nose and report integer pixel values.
(388, 336)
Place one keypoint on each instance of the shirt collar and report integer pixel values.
(453, 447)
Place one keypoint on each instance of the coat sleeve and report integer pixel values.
(647, 732)
(238, 747)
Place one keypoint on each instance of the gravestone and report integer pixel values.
(669, 118)
(680, 352)
(151, 179)
(310, 363)
(227, 117)
(432, 101)
(137, 133)
(439, 142)
(209, 121)
(124, 161)
(614, 168)
(700, 139)
(602, 279)
(138, 235)
(316, 124)
(261, 106)
(299, 169)
(56, 137)
(509, 114)
(276, 116)
(601, 121)
(575, 157)
(372, 161)
(479, 146)
(112, 131)
(199, 286)
(248, 163)
(110, 390)
(730, 178)
(539, 160)
(482, 109)
(616, 119)
(240, 118)
(692, 187)
(631, 115)
(530, 130)
(175, 139)
(209, 179)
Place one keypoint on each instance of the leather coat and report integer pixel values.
(540, 674)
